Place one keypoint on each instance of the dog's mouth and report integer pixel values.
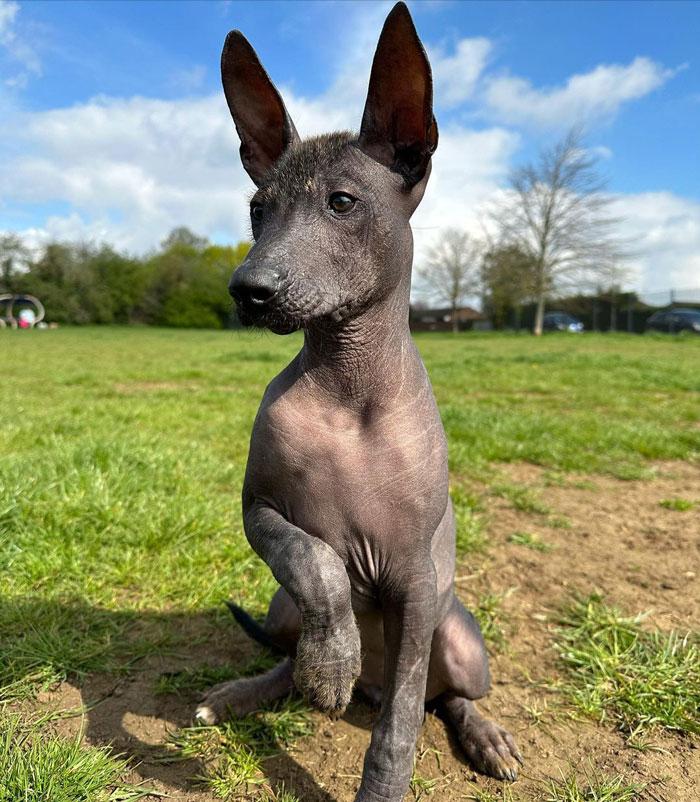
(267, 318)
(284, 314)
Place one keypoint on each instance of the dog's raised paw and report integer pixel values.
(326, 668)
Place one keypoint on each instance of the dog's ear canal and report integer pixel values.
(398, 128)
(263, 124)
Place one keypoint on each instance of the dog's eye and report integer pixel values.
(256, 212)
(341, 202)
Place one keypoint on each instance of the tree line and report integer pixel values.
(183, 283)
(551, 232)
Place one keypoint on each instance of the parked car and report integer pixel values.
(561, 321)
(674, 321)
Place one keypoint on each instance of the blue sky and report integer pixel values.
(115, 126)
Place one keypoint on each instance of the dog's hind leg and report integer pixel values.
(459, 669)
(239, 697)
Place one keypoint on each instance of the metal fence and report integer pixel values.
(605, 311)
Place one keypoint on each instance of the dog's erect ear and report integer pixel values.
(263, 124)
(398, 128)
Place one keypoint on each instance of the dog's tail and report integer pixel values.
(253, 629)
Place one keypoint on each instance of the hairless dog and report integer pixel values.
(346, 490)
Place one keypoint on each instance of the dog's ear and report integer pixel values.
(263, 124)
(398, 128)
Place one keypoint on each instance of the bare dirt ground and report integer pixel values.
(619, 541)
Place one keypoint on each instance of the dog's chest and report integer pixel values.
(367, 485)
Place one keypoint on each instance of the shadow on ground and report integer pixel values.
(112, 662)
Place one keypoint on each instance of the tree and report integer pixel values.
(451, 270)
(13, 256)
(507, 275)
(183, 236)
(187, 283)
(559, 215)
(613, 274)
(183, 284)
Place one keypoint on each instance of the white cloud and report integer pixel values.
(132, 169)
(8, 12)
(665, 232)
(14, 45)
(456, 75)
(189, 80)
(468, 168)
(590, 96)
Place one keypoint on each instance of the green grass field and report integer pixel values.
(123, 452)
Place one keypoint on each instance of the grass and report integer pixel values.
(642, 680)
(677, 504)
(234, 753)
(521, 498)
(36, 766)
(530, 541)
(203, 677)
(488, 611)
(593, 788)
(469, 520)
(124, 451)
(505, 794)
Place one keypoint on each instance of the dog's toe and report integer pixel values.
(490, 748)
(205, 715)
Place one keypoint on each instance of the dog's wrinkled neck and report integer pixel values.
(361, 361)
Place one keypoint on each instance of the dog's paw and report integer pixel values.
(232, 699)
(327, 666)
(490, 748)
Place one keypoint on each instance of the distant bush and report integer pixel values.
(183, 284)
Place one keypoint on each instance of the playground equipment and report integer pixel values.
(30, 311)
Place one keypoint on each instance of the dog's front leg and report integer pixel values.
(327, 661)
(409, 622)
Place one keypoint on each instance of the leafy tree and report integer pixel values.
(187, 284)
(183, 236)
(182, 284)
(507, 279)
(14, 257)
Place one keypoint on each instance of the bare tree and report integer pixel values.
(451, 270)
(558, 213)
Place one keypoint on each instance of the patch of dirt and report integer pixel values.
(619, 540)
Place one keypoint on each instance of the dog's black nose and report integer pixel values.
(256, 286)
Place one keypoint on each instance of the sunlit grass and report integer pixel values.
(594, 787)
(123, 457)
(530, 541)
(36, 766)
(677, 504)
(639, 679)
(234, 753)
(124, 454)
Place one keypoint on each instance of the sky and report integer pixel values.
(114, 128)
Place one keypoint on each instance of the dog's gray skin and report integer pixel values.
(346, 490)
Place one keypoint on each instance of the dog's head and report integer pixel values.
(330, 217)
